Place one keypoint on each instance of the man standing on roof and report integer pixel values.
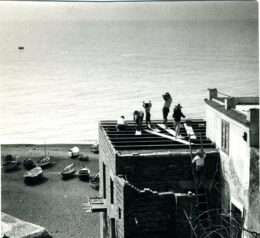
(147, 107)
(199, 161)
(166, 108)
(177, 115)
(138, 118)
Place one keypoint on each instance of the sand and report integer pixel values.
(54, 204)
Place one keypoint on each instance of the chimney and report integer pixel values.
(213, 93)
(230, 103)
(253, 119)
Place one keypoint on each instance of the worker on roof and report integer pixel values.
(138, 119)
(177, 115)
(166, 108)
(199, 161)
(121, 123)
(147, 107)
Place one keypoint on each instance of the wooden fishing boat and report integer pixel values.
(10, 165)
(29, 163)
(34, 175)
(68, 171)
(94, 182)
(74, 152)
(46, 160)
(95, 148)
(84, 174)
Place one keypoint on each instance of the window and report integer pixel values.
(113, 228)
(104, 180)
(225, 136)
(111, 191)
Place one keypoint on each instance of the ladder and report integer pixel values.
(202, 204)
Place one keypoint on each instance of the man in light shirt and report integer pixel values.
(121, 124)
(199, 161)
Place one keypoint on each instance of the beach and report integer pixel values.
(55, 204)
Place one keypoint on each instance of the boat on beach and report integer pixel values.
(68, 171)
(29, 163)
(84, 174)
(33, 175)
(10, 165)
(73, 152)
(94, 182)
(46, 160)
(95, 148)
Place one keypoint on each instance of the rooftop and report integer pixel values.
(157, 139)
(237, 108)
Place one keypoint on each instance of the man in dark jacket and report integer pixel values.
(177, 115)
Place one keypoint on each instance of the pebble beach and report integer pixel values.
(55, 204)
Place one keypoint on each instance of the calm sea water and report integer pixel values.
(86, 62)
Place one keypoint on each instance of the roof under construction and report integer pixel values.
(158, 138)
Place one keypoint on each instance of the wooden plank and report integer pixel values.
(171, 131)
(190, 131)
(169, 137)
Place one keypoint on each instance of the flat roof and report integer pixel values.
(158, 139)
(235, 115)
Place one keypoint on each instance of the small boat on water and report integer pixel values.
(74, 152)
(29, 163)
(95, 148)
(84, 174)
(34, 175)
(94, 182)
(68, 171)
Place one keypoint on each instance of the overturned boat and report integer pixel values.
(68, 171)
(34, 175)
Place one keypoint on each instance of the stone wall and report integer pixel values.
(148, 214)
(163, 172)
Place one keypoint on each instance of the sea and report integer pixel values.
(84, 62)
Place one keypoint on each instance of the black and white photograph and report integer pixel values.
(129, 119)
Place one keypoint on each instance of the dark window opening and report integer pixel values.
(245, 136)
(104, 180)
(119, 213)
(113, 228)
(111, 191)
(225, 136)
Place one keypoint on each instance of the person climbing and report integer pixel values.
(199, 161)
(166, 108)
(138, 118)
(147, 107)
(121, 123)
(177, 115)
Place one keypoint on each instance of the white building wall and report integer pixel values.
(236, 165)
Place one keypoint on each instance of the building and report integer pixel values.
(146, 181)
(233, 125)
